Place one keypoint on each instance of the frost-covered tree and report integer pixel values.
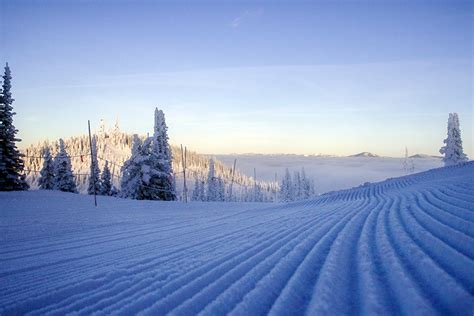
(220, 190)
(11, 161)
(162, 175)
(297, 186)
(195, 195)
(131, 172)
(154, 185)
(408, 164)
(94, 177)
(63, 177)
(202, 190)
(105, 180)
(148, 174)
(286, 188)
(452, 150)
(307, 185)
(212, 183)
(46, 180)
(199, 192)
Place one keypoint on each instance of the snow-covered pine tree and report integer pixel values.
(453, 151)
(163, 177)
(220, 189)
(11, 161)
(202, 191)
(63, 177)
(141, 179)
(131, 172)
(306, 185)
(105, 180)
(195, 196)
(94, 177)
(212, 183)
(405, 161)
(286, 188)
(297, 186)
(46, 180)
(153, 185)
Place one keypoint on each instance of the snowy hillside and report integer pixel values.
(329, 172)
(402, 246)
(114, 146)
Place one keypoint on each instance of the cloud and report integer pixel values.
(248, 14)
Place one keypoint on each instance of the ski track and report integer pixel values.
(401, 246)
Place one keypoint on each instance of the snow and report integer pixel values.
(401, 246)
(328, 172)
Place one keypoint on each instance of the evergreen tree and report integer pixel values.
(195, 196)
(141, 179)
(297, 186)
(202, 191)
(220, 190)
(453, 151)
(46, 180)
(154, 183)
(11, 161)
(105, 181)
(286, 188)
(307, 187)
(63, 177)
(131, 172)
(94, 180)
(405, 161)
(148, 174)
(162, 175)
(212, 183)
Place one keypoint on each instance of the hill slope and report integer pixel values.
(115, 146)
(401, 246)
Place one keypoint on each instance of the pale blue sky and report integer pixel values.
(304, 77)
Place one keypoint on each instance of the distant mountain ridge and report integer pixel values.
(424, 156)
(365, 154)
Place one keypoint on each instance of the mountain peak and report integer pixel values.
(365, 154)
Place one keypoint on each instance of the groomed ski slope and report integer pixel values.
(402, 246)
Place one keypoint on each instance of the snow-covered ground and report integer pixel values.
(402, 246)
(329, 172)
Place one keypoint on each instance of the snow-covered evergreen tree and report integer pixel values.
(452, 150)
(148, 174)
(220, 190)
(195, 196)
(307, 186)
(297, 186)
(11, 161)
(199, 191)
(105, 181)
(408, 164)
(212, 183)
(63, 177)
(131, 172)
(46, 180)
(153, 185)
(94, 177)
(162, 176)
(286, 188)
(202, 191)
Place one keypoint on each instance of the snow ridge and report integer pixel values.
(401, 246)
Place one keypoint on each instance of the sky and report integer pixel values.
(301, 77)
